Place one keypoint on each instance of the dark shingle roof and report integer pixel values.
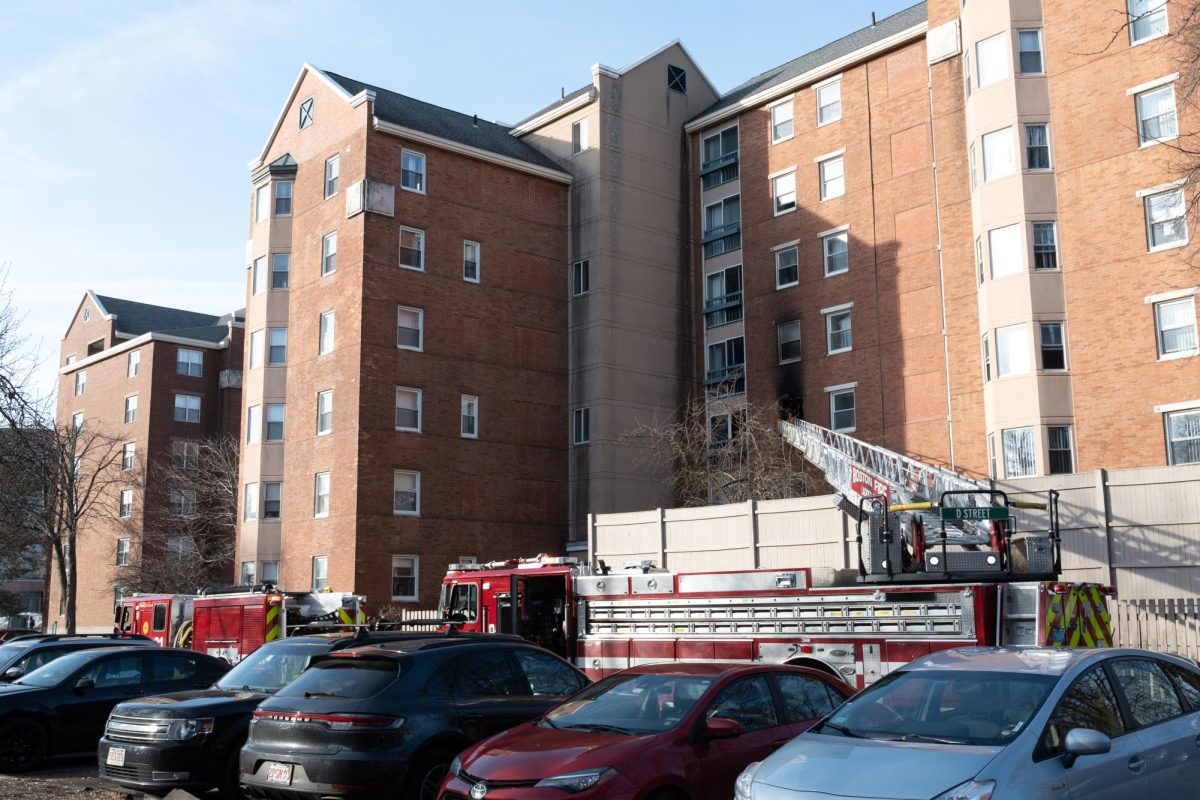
(568, 98)
(134, 319)
(823, 55)
(446, 124)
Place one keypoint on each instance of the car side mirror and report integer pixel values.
(12, 673)
(1084, 742)
(719, 728)
(83, 684)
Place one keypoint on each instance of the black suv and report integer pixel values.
(23, 654)
(386, 721)
(190, 740)
(61, 707)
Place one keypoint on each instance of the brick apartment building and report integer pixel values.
(159, 379)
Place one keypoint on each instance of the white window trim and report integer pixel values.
(585, 135)
(1017, 73)
(1137, 118)
(829, 330)
(832, 231)
(1195, 329)
(828, 156)
(841, 387)
(321, 273)
(332, 313)
(325, 176)
(816, 90)
(424, 170)
(1129, 23)
(771, 118)
(785, 245)
(416, 489)
(824, 237)
(1039, 364)
(478, 260)
(775, 197)
(420, 415)
(420, 312)
(461, 401)
(1141, 194)
(318, 426)
(328, 498)
(1017, 152)
(402, 265)
(780, 173)
(1025, 146)
(1166, 297)
(1186, 240)
(1186, 405)
(835, 309)
(405, 598)
(779, 342)
(1154, 84)
(830, 392)
(821, 180)
(775, 251)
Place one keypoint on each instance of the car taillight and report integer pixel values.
(335, 722)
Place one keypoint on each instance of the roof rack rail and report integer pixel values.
(54, 637)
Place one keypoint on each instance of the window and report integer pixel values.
(1037, 146)
(404, 578)
(991, 59)
(841, 410)
(122, 552)
(1147, 19)
(410, 326)
(806, 698)
(1166, 225)
(991, 440)
(406, 493)
(187, 408)
(783, 188)
(280, 267)
(1054, 351)
(676, 79)
(1012, 350)
(274, 422)
(1156, 115)
(1183, 436)
(283, 198)
(723, 213)
(1175, 324)
(1090, 703)
(80, 382)
(329, 254)
(1045, 245)
(1061, 460)
(720, 163)
(306, 114)
(128, 451)
(250, 502)
(408, 409)
(332, 169)
(185, 455)
(131, 408)
(837, 330)
(1020, 455)
(580, 426)
(321, 494)
(255, 348)
(277, 347)
(747, 702)
(829, 103)
(1030, 46)
(1004, 246)
(325, 333)
(979, 259)
(127, 502)
(320, 573)
(998, 154)
(324, 412)
(182, 502)
(974, 179)
(547, 676)
(833, 178)
(253, 424)
(412, 248)
(987, 360)
(270, 572)
(1187, 681)
(469, 416)
(77, 421)
(788, 334)
(189, 362)
(723, 297)
(727, 366)
(787, 267)
(967, 73)
(781, 121)
(836, 249)
(471, 261)
(579, 136)
(133, 364)
(271, 500)
(87, 314)
(412, 171)
(262, 198)
(1151, 695)
(258, 275)
(487, 674)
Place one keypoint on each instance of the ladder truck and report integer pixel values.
(942, 565)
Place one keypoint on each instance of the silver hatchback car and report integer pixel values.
(1002, 723)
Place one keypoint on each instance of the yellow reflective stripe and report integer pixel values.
(344, 616)
(272, 624)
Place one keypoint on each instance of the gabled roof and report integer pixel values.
(580, 92)
(134, 319)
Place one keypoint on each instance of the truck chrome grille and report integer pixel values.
(137, 729)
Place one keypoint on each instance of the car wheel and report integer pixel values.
(23, 743)
(229, 788)
(428, 772)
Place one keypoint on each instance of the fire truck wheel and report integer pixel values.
(426, 776)
(23, 743)
(229, 789)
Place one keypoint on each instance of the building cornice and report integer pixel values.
(138, 341)
(474, 152)
(555, 113)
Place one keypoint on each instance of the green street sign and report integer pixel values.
(973, 513)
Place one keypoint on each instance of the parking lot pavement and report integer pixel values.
(61, 777)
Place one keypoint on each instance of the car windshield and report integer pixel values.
(347, 677)
(270, 668)
(53, 673)
(633, 704)
(954, 707)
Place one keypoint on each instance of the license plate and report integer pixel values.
(279, 773)
(116, 757)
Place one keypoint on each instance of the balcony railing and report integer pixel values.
(723, 310)
(1163, 126)
(724, 239)
(719, 170)
(725, 381)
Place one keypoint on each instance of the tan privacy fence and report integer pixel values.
(1167, 626)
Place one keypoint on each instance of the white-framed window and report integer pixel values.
(1147, 20)
(189, 362)
(835, 249)
(469, 416)
(412, 248)
(405, 577)
(128, 453)
(321, 494)
(246, 574)
(412, 171)
(184, 454)
(1175, 327)
(187, 408)
(1004, 248)
(272, 499)
(250, 502)
(726, 363)
(262, 202)
(788, 336)
(324, 412)
(833, 177)
(255, 349)
(305, 117)
(1013, 350)
(283, 198)
(991, 59)
(77, 421)
(122, 552)
(80, 382)
(998, 158)
(1053, 346)
(1029, 48)
(725, 211)
(979, 259)
(332, 174)
(782, 125)
(410, 328)
(974, 175)
(329, 254)
(276, 346)
(126, 503)
(408, 409)
(991, 441)
(579, 136)
(1156, 119)
(787, 267)
(581, 424)
(470, 261)
(987, 360)
(320, 573)
(1045, 245)
(325, 328)
(1058, 443)
(406, 493)
(581, 277)
(1037, 145)
(269, 572)
(258, 275)
(274, 422)
(842, 415)
(133, 363)
(829, 103)
(723, 296)
(281, 266)
(783, 189)
(253, 424)
(1020, 452)
(131, 403)
(1183, 436)
(1166, 221)
(838, 337)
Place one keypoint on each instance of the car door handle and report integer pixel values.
(1137, 764)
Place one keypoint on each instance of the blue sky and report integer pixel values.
(126, 128)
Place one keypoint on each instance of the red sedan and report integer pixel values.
(654, 731)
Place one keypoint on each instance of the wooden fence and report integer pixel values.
(1170, 625)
